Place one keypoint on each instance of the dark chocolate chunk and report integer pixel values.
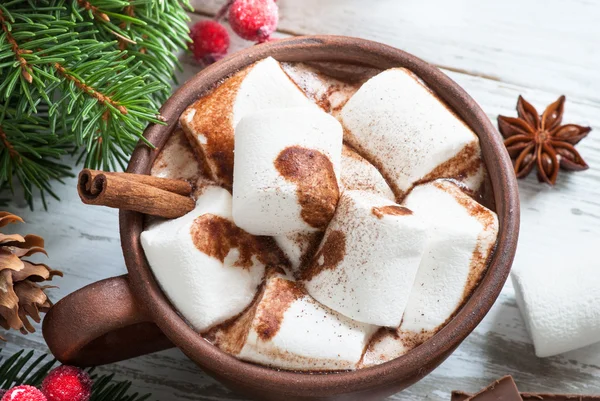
(462, 396)
(503, 389)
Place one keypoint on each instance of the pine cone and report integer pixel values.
(21, 297)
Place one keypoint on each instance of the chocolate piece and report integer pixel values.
(462, 396)
(503, 389)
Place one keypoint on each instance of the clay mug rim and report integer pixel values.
(126, 316)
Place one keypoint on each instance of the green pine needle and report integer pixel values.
(21, 368)
(81, 76)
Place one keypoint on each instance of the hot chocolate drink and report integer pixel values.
(337, 222)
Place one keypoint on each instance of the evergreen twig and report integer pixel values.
(81, 76)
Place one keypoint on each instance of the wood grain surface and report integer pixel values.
(496, 51)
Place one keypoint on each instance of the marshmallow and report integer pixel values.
(367, 262)
(329, 93)
(462, 237)
(358, 174)
(285, 328)
(286, 169)
(177, 160)
(559, 300)
(197, 256)
(385, 345)
(209, 123)
(406, 131)
(298, 248)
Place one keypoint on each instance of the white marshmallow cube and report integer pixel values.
(360, 175)
(356, 173)
(367, 262)
(559, 298)
(210, 122)
(405, 130)
(197, 256)
(286, 167)
(287, 329)
(462, 237)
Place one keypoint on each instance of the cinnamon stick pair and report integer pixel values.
(155, 196)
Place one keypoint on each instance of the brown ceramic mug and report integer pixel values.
(127, 316)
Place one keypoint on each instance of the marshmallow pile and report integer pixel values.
(329, 238)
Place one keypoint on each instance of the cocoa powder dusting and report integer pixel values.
(375, 339)
(329, 256)
(313, 174)
(216, 236)
(313, 240)
(393, 210)
(412, 340)
(371, 159)
(464, 164)
(230, 336)
(276, 302)
(473, 207)
(481, 256)
(213, 119)
(177, 159)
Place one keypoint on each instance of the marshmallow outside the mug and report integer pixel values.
(264, 201)
(287, 329)
(192, 280)
(399, 125)
(559, 299)
(210, 122)
(367, 262)
(461, 239)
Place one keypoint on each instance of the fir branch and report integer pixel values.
(151, 31)
(94, 10)
(15, 48)
(30, 152)
(123, 42)
(97, 72)
(102, 98)
(12, 153)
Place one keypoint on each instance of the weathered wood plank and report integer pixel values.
(545, 45)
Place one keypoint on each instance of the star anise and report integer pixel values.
(541, 141)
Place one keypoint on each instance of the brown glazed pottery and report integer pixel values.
(127, 316)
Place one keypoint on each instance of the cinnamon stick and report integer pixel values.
(155, 196)
(177, 186)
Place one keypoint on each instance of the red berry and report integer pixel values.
(24, 393)
(67, 383)
(210, 41)
(254, 20)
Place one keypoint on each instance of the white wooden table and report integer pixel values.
(496, 50)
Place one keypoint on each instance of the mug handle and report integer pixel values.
(99, 324)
